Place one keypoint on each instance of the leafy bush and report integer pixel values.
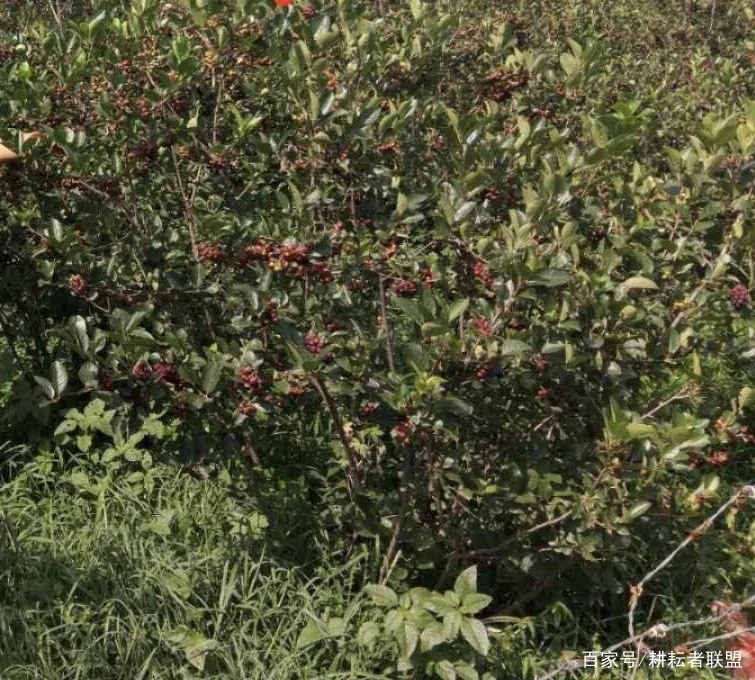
(482, 293)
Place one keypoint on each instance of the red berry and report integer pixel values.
(208, 252)
(248, 377)
(404, 287)
(141, 371)
(366, 409)
(247, 408)
(312, 342)
(78, 284)
(482, 326)
(543, 393)
(167, 373)
(106, 380)
(481, 271)
(739, 296)
(402, 432)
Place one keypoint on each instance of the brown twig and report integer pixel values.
(188, 212)
(661, 630)
(352, 459)
(406, 492)
(384, 323)
(482, 553)
(694, 535)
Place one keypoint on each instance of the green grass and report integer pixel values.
(123, 586)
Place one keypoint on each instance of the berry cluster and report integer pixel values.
(484, 370)
(247, 408)
(106, 380)
(78, 284)
(167, 373)
(427, 278)
(402, 432)
(482, 326)
(313, 343)
(249, 377)
(292, 258)
(269, 315)
(142, 371)
(209, 252)
(501, 85)
(404, 287)
(368, 408)
(739, 296)
(481, 272)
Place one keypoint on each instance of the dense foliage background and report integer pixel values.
(358, 340)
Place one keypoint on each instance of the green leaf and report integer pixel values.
(514, 348)
(336, 626)
(457, 308)
(432, 636)
(88, 374)
(552, 278)
(46, 386)
(465, 671)
(451, 624)
(475, 633)
(411, 640)
(638, 283)
(84, 443)
(80, 480)
(410, 308)
(471, 603)
(466, 582)
(211, 376)
(383, 596)
(58, 377)
(445, 670)
(78, 328)
(311, 633)
(368, 634)
(196, 647)
(431, 329)
(464, 210)
(454, 405)
(639, 509)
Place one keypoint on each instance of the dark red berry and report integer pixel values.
(739, 296)
(247, 408)
(208, 252)
(167, 373)
(78, 284)
(404, 287)
(141, 371)
(481, 272)
(106, 380)
(248, 377)
(482, 326)
(312, 342)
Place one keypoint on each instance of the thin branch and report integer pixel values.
(187, 204)
(683, 393)
(406, 492)
(352, 458)
(695, 534)
(384, 323)
(482, 553)
(661, 630)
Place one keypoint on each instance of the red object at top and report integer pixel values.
(284, 3)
